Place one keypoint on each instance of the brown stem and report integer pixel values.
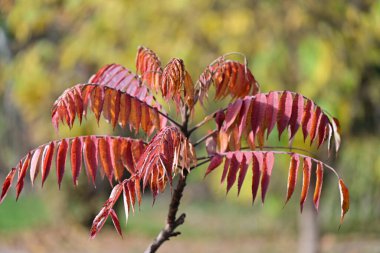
(172, 222)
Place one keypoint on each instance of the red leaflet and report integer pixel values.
(125, 109)
(116, 222)
(61, 160)
(322, 129)
(70, 105)
(271, 112)
(232, 172)
(78, 103)
(267, 171)
(223, 138)
(306, 180)
(297, 113)
(46, 161)
(76, 158)
(318, 185)
(292, 176)
(284, 111)
(105, 157)
(135, 115)
(97, 100)
(138, 190)
(22, 174)
(314, 123)
(117, 163)
(337, 131)
(257, 162)
(258, 111)
(115, 107)
(232, 113)
(149, 65)
(306, 118)
(214, 163)
(118, 77)
(127, 156)
(242, 125)
(101, 218)
(7, 184)
(35, 164)
(90, 157)
(242, 172)
(226, 166)
(345, 199)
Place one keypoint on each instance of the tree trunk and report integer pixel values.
(308, 239)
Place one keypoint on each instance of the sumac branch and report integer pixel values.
(130, 99)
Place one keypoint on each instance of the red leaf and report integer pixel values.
(292, 176)
(257, 162)
(214, 163)
(232, 113)
(7, 184)
(306, 118)
(242, 172)
(314, 123)
(246, 107)
(297, 113)
(345, 199)
(90, 157)
(46, 161)
(125, 109)
(258, 111)
(61, 160)
(115, 108)
(266, 171)
(135, 115)
(284, 111)
(226, 166)
(306, 180)
(337, 131)
(126, 201)
(35, 164)
(234, 167)
(127, 156)
(322, 131)
(76, 158)
(97, 100)
(318, 185)
(78, 103)
(116, 159)
(101, 218)
(105, 157)
(149, 65)
(116, 222)
(22, 173)
(271, 113)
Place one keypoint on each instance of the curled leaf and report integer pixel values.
(345, 199)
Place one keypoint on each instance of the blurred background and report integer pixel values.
(326, 50)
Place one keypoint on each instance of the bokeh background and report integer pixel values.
(327, 50)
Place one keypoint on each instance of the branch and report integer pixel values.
(172, 222)
(204, 138)
(205, 120)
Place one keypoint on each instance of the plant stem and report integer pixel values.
(172, 222)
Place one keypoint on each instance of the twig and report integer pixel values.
(172, 221)
(205, 120)
(203, 138)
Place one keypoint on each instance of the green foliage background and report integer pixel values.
(327, 50)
